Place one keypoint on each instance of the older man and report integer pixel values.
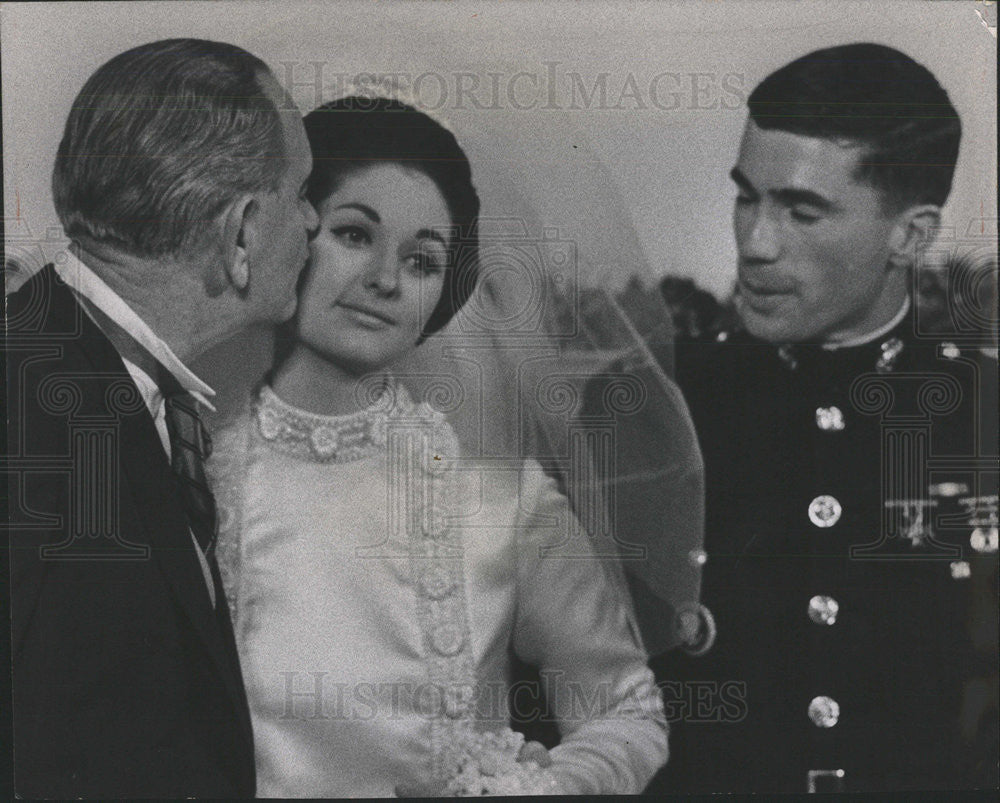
(851, 469)
(179, 179)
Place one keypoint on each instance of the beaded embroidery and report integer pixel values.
(328, 438)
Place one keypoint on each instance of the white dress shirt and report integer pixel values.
(88, 285)
(860, 340)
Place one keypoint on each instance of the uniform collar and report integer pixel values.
(877, 351)
(88, 285)
(872, 336)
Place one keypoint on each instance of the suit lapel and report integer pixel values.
(225, 624)
(147, 476)
(152, 482)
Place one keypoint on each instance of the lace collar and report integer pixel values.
(336, 438)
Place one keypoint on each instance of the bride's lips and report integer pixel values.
(366, 316)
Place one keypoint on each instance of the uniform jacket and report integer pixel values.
(852, 569)
(126, 681)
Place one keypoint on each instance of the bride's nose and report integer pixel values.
(383, 273)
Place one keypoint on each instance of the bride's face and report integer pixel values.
(376, 267)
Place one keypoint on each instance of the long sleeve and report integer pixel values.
(575, 622)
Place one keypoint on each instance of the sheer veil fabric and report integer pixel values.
(563, 353)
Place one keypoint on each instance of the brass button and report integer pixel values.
(824, 511)
(824, 711)
(694, 626)
(823, 609)
(698, 557)
(891, 350)
(829, 419)
(984, 539)
(950, 351)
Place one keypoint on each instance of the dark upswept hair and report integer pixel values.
(356, 132)
(877, 97)
(160, 139)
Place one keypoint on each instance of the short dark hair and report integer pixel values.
(160, 139)
(356, 132)
(877, 97)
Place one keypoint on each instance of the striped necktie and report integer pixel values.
(190, 446)
(190, 442)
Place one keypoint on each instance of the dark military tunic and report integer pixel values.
(851, 532)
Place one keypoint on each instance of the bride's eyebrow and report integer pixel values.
(367, 211)
(430, 234)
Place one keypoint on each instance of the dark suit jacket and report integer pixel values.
(126, 681)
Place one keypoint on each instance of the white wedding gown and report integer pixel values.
(379, 585)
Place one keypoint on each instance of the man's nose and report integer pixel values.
(310, 217)
(758, 237)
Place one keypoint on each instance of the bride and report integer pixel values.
(382, 578)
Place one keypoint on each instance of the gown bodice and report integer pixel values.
(380, 583)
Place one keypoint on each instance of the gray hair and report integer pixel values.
(160, 139)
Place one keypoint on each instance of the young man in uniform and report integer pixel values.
(851, 462)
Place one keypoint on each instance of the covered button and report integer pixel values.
(434, 522)
(436, 582)
(457, 699)
(824, 511)
(428, 702)
(447, 639)
(824, 711)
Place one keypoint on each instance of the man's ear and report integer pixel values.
(915, 228)
(239, 239)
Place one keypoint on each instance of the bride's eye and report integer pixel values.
(428, 263)
(351, 236)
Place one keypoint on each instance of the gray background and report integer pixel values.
(662, 171)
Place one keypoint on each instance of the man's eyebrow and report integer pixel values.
(744, 183)
(790, 196)
(794, 197)
(367, 211)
